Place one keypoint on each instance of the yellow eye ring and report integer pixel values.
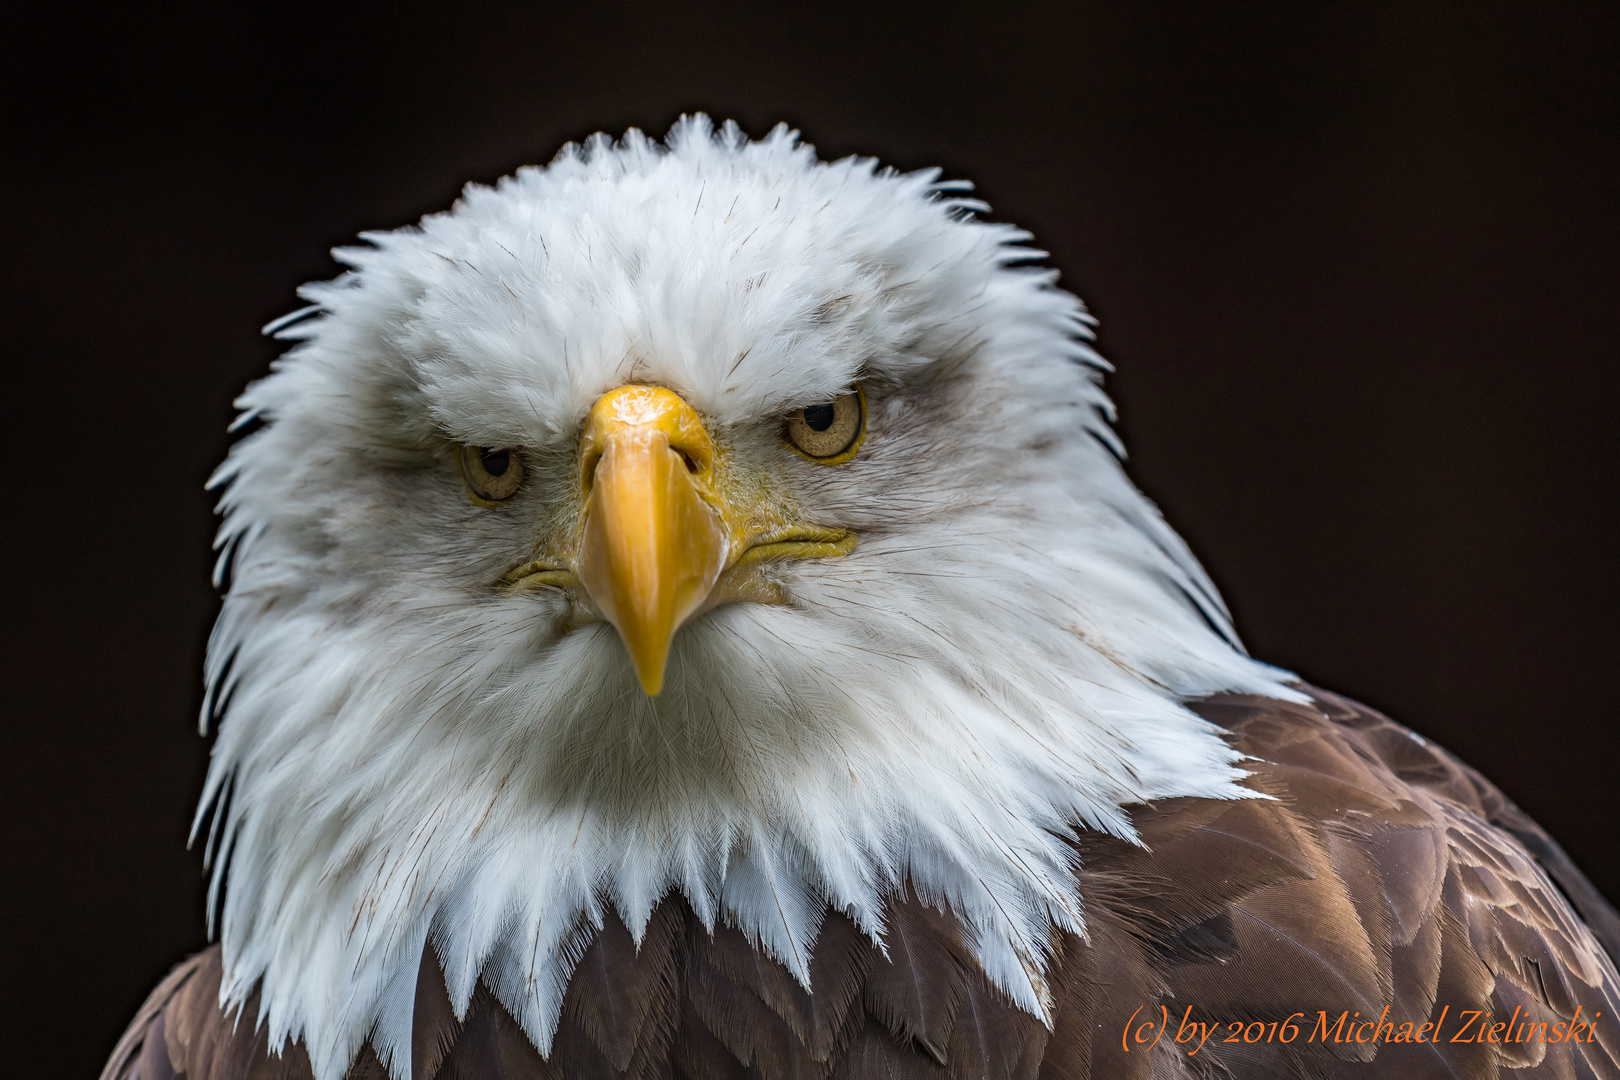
(491, 475)
(830, 433)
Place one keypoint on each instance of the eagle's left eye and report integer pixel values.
(829, 433)
(492, 475)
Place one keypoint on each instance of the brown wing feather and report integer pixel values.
(435, 1028)
(991, 1038)
(1378, 879)
(875, 1054)
(182, 1033)
(1468, 916)
(752, 1032)
(1098, 990)
(620, 992)
(141, 1049)
(698, 1053)
(915, 990)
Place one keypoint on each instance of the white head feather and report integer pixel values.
(411, 756)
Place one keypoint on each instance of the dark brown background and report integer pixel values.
(1358, 269)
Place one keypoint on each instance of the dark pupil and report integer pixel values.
(819, 417)
(495, 461)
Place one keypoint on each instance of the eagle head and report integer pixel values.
(692, 517)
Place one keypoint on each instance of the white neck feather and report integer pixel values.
(955, 754)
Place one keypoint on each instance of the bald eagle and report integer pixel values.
(687, 619)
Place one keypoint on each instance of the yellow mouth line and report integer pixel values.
(798, 542)
(538, 575)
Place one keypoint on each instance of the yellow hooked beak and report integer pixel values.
(655, 543)
(671, 526)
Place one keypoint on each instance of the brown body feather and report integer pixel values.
(1384, 881)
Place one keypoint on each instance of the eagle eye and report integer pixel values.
(492, 475)
(829, 433)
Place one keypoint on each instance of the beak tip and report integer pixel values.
(652, 683)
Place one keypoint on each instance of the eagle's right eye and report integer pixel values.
(492, 475)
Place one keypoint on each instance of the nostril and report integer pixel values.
(691, 464)
(588, 472)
